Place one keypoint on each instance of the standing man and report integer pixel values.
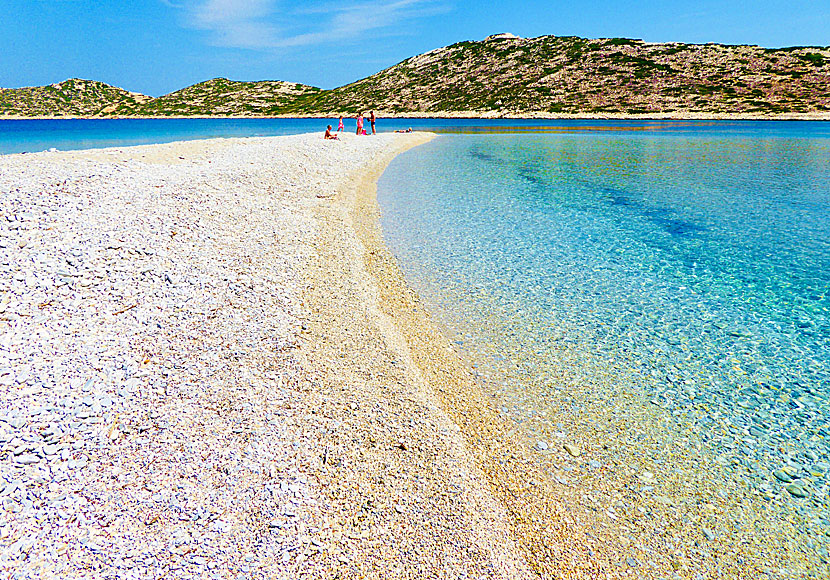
(372, 120)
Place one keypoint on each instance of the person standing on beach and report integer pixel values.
(372, 120)
(359, 123)
(340, 124)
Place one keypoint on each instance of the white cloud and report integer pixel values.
(238, 23)
(268, 24)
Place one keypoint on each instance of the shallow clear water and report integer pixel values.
(690, 268)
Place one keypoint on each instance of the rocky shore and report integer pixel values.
(197, 380)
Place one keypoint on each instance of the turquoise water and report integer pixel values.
(690, 269)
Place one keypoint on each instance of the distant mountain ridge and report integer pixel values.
(503, 75)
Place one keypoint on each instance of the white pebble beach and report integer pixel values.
(199, 377)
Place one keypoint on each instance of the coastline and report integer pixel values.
(551, 537)
(412, 447)
(668, 116)
(199, 377)
(553, 512)
(644, 494)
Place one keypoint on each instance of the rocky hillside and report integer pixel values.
(224, 97)
(502, 75)
(73, 97)
(508, 75)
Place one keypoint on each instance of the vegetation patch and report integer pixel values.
(624, 42)
(813, 58)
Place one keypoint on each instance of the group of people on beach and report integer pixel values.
(360, 129)
(331, 134)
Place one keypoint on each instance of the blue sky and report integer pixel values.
(157, 46)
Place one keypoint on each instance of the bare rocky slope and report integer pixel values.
(502, 75)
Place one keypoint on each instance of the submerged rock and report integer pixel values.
(782, 475)
(796, 490)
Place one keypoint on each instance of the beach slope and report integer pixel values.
(199, 378)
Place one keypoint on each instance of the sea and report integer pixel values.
(33, 135)
(654, 293)
(657, 294)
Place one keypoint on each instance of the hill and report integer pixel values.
(72, 98)
(224, 97)
(502, 75)
(506, 75)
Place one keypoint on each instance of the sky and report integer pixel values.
(159, 46)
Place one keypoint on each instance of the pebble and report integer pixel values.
(796, 490)
(646, 477)
(782, 475)
(572, 449)
(756, 432)
(27, 459)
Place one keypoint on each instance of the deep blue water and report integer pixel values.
(17, 136)
(688, 266)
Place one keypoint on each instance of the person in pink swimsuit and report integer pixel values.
(359, 123)
(340, 124)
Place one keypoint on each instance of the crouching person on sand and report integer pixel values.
(329, 134)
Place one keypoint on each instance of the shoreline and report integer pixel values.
(490, 115)
(550, 538)
(360, 304)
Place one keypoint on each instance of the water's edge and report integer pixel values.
(556, 540)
